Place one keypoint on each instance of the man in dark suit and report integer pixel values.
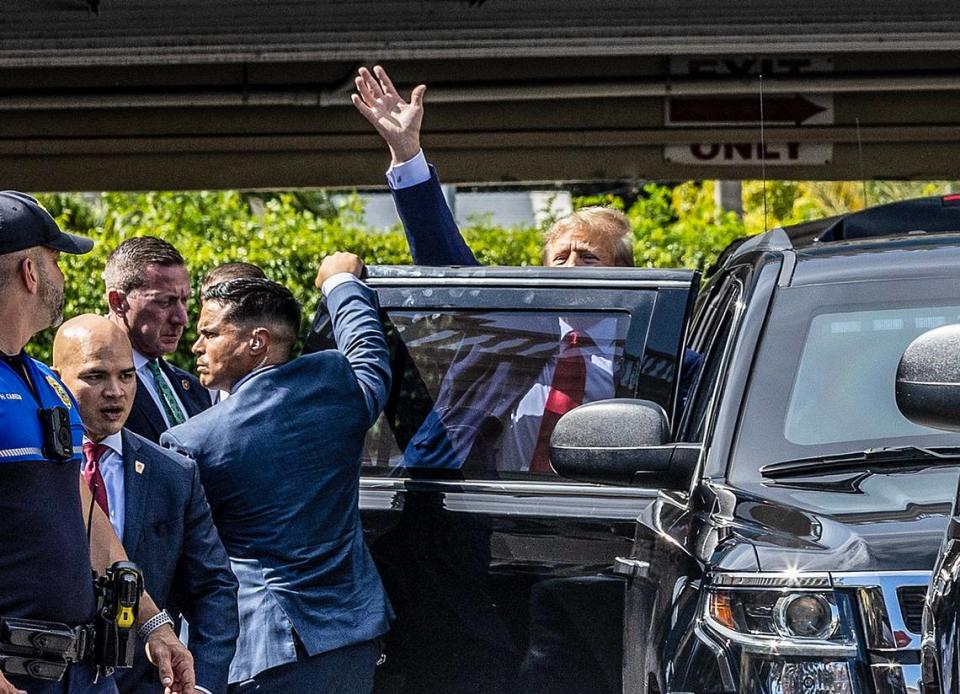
(590, 237)
(579, 370)
(280, 462)
(147, 290)
(154, 499)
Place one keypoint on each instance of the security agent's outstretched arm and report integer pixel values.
(356, 327)
(164, 649)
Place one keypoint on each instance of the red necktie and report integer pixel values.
(91, 473)
(566, 392)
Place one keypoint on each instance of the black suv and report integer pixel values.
(800, 512)
(785, 537)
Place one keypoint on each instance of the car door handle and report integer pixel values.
(632, 568)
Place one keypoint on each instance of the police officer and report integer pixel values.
(46, 554)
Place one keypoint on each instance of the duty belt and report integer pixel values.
(42, 650)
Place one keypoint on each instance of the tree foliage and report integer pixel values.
(287, 234)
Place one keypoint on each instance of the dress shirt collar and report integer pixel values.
(602, 332)
(139, 361)
(114, 442)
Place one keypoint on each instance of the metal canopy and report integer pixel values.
(252, 94)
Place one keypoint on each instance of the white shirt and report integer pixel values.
(140, 363)
(409, 173)
(111, 469)
(520, 441)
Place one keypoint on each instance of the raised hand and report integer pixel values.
(336, 263)
(397, 121)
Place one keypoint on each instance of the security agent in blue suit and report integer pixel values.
(147, 287)
(280, 462)
(155, 503)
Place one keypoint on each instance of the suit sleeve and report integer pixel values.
(431, 231)
(359, 335)
(209, 593)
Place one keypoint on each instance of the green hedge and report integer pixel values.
(287, 234)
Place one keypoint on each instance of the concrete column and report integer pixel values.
(728, 196)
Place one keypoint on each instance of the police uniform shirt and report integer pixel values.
(45, 570)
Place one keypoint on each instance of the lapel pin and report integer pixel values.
(139, 467)
(185, 383)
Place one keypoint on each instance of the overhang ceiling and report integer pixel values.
(207, 93)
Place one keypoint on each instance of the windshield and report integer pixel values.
(824, 378)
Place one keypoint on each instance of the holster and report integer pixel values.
(42, 650)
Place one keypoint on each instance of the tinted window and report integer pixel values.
(473, 368)
(474, 384)
(711, 338)
(824, 376)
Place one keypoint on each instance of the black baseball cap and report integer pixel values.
(25, 224)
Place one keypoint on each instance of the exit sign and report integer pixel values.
(746, 111)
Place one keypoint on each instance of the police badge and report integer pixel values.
(60, 391)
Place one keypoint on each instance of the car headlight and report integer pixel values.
(778, 615)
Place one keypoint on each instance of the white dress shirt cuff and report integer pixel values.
(336, 280)
(409, 173)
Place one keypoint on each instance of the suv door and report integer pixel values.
(501, 573)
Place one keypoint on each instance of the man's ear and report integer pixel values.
(259, 341)
(30, 274)
(117, 301)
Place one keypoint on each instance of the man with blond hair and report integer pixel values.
(560, 656)
(597, 236)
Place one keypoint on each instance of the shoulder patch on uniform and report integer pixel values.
(60, 391)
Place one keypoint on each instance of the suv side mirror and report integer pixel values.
(928, 379)
(621, 442)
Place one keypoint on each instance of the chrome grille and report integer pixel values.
(911, 606)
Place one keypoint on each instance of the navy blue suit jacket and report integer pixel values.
(431, 230)
(145, 418)
(169, 533)
(435, 239)
(280, 461)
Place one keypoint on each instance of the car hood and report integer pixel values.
(853, 522)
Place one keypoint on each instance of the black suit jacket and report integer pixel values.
(146, 419)
(169, 533)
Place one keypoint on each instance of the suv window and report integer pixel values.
(846, 361)
(824, 374)
(472, 371)
(711, 338)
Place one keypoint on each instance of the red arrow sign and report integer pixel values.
(711, 109)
